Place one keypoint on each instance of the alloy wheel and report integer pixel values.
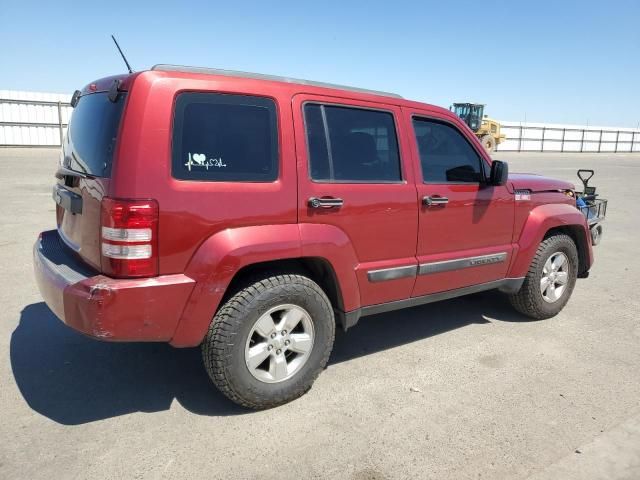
(555, 275)
(279, 343)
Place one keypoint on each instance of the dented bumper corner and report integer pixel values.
(145, 309)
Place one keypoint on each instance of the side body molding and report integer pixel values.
(539, 221)
(223, 254)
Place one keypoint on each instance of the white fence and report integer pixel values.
(33, 119)
(542, 137)
(40, 120)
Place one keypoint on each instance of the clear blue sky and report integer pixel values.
(551, 61)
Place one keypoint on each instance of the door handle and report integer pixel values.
(327, 202)
(434, 200)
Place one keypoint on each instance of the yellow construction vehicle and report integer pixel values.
(485, 128)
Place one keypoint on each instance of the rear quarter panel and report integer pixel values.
(192, 211)
(210, 230)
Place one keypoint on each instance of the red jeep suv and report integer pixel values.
(251, 214)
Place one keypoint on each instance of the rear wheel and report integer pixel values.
(488, 142)
(550, 279)
(270, 341)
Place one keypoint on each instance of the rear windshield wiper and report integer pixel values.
(114, 91)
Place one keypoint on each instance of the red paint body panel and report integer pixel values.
(378, 219)
(82, 230)
(477, 220)
(208, 231)
(218, 260)
(132, 310)
(333, 244)
(108, 309)
(539, 220)
(538, 183)
(143, 170)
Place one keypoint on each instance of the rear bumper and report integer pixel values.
(146, 309)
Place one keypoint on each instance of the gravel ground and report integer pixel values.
(460, 389)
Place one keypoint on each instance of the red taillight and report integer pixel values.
(129, 237)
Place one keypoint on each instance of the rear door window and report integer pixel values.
(93, 129)
(221, 137)
(351, 145)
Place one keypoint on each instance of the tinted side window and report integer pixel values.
(351, 145)
(218, 137)
(445, 154)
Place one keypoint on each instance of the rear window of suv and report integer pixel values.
(224, 137)
(93, 129)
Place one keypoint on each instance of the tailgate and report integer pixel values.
(83, 178)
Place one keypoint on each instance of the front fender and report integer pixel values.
(541, 219)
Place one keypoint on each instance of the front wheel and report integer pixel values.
(270, 341)
(550, 279)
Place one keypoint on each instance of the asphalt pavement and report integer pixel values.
(465, 388)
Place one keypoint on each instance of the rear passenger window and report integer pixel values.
(219, 137)
(445, 154)
(351, 145)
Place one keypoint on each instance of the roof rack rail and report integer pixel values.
(261, 76)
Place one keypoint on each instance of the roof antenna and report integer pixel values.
(123, 57)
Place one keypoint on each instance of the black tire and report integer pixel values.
(223, 349)
(488, 142)
(529, 299)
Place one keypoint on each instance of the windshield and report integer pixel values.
(91, 138)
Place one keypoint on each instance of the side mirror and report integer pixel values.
(499, 173)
